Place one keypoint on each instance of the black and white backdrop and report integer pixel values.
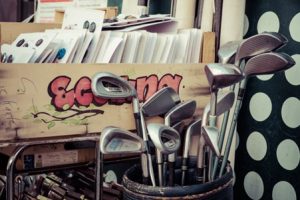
(267, 155)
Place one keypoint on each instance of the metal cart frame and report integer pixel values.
(11, 172)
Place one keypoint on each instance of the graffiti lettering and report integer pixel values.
(64, 98)
(59, 93)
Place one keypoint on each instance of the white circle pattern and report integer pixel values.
(290, 112)
(260, 106)
(254, 185)
(264, 22)
(292, 74)
(288, 154)
(256, 146)
(283, 190)
(295, 28)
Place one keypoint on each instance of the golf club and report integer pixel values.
(266, 63)
(220, 76)
(114, 140)
(224, 103)
(254, 45)
(159, 104)
(181, 111)
(193, 128)
(110, 86)
(166, 140)
(227, 51)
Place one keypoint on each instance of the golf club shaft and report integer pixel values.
(221, 136)
(212, 122)
(146, 140)
(200, 159)
(171, 166)
(159, 161)
(144, 161)
(233, 124)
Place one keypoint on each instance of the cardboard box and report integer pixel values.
(32, 108)
(110, 12)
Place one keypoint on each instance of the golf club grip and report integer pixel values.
(171, 173)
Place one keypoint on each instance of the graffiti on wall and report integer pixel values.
(75, 104)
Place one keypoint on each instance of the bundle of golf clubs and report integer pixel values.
(239, 60)
(78, 184)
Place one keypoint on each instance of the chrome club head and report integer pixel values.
(268, 63)
(114, 140)
(193, 128)
(165, 138)
(258, 44)
(181, 111)
(210, 135)
(160, 102)
(179, 126)
(110, 86)
(228, 51)
(224, 103)
(222, 75)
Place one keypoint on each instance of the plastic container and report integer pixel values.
(219, 189)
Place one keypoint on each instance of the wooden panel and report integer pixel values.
(50, 100)
(209, 41)
(9, 31)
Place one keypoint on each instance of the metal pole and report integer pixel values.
(99, 172)
(10, 183)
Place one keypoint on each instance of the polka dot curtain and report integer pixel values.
(267, 156)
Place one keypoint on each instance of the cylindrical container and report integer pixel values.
(219, 189)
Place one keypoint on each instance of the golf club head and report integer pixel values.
(164, 138)
(110, 86)
(258, 44)
(160, 102)
(227, 51)
(224, 103)
(193, 128)
(210, 135)
(181, 111)
(268, 63)
(179, 126)
(222, 75)
(114, 140)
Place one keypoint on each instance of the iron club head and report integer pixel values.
(165, 138)
(258, 44)
(268, 63)
(160, 102)
(210, 135)
(193, 128)
(111, 86)
(222, 75)
(114, 140)
(181, 111)
(227, 51)
(224, 103)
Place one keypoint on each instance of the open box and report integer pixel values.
(31, 109)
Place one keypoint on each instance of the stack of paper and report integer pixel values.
(82, 40)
